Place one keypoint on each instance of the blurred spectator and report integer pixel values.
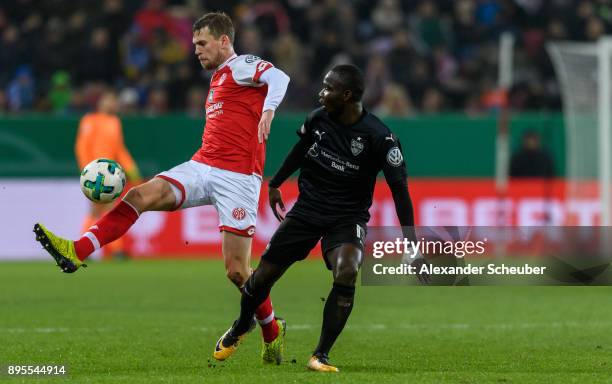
(60, 94)
(157, 102)
(20, 91)
(395, 102)
(268, 16)
(433, 101)
(153, 16)
(97, 61)
(441, 52)
(249, 40)
(401, 56)
(376, 79)
(324, 49)
(166, 50)
(594, 29)
(288, 54)
(53, 52)
(11, 52)
(387, 16)
(195, 102)
(3, 102)
(429, 27)
(128, 101)
(531, 160)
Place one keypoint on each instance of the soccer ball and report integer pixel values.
(102, 180)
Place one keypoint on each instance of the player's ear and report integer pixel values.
(347, 95)
(225, 41)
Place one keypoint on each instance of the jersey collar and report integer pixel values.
(232, 57)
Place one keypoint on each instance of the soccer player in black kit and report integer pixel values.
(341, 150)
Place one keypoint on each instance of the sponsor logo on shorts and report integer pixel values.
(239, 214)
(251, 231)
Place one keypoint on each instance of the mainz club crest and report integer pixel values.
(238, 213)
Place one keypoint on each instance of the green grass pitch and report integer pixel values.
(157, 321)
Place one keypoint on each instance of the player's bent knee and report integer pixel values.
(346, 274)
(239, 278)
(135, 198)
(154, 195)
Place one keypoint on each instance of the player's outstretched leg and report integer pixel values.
(228, 344)
(155, 194)
(320, 363)
(236, 255)
(60, 249)
(272, 352)
(345, 261)
(254, 293)
(69, 255)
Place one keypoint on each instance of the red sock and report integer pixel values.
(265, 317)
(110, 227)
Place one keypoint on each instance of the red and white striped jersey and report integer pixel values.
(233, 110)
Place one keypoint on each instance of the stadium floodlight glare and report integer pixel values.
(585, 74)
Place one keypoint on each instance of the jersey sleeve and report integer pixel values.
(305, 130)
(247, 69)
(391, 158)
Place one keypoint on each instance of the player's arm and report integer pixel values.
(394, 169)
(292, 163)
(277, 82)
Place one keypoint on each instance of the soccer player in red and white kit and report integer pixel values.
(225, 172)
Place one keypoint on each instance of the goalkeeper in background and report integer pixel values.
(100, 136)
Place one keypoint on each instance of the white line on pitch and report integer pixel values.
(308, 327)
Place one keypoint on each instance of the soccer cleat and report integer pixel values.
(321, 363)
(227, 344)
(272, 352)
(61, 249)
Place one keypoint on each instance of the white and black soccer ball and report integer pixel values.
(102, 180)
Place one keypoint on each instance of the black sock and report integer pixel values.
(249, 302)
(335, 314)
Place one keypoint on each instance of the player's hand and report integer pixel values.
(263, 130)
(417, 261)
(275, 197)
(424, 276)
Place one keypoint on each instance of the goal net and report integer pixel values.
(584, 73)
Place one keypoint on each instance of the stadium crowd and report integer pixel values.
(419, 56)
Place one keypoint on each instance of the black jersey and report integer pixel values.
(338, 173)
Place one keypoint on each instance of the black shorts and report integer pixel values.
(295, 238)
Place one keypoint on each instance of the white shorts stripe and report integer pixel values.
(94, 240)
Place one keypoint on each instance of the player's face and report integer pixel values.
(208, 48)
(333, 95)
